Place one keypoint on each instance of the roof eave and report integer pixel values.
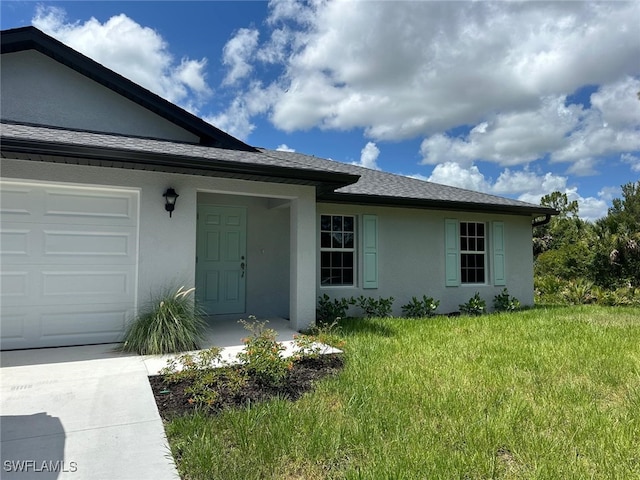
(421, 203)
(84, 154)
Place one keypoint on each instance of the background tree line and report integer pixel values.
(577, 261)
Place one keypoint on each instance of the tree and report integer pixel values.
(564, 229)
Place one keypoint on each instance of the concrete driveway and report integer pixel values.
(80, 413)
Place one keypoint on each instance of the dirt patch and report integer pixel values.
(173, 400)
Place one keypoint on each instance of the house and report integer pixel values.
(90, 161)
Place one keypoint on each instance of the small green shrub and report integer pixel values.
(420, 308)
(200, 369)
(503, 302)
(329, 310)
(170, 324)
(578, 292)
(371, 307)
(261, 354)
(475, 306)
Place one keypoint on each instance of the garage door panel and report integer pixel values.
(50, 244)
(54, 326)
(91, 204)
(85, 286)
(67, 205)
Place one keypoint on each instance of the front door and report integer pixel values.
(221, 263)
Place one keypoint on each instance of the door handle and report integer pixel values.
(242, 267)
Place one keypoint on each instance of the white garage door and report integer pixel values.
(69, 264)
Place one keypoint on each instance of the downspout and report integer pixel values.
(544, 221)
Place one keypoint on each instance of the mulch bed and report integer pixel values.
(173, 401)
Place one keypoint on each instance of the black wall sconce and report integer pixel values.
(170, 197)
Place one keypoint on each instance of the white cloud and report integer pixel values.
(285, 148)
(369, 156)
(235, 120)
(136, 52)
(524, 185)
(632, 160)
(453, 174)
(238, 52)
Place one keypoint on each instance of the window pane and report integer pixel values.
(480, 229)
(471, 229)
(325, 240)
(472, 244)
(336, 259)
(325, 276)
(337, 240)
(348, 224)
(348, 240)
(325, 259)
(337, 223)
(463, 244)
(481, 245)
(348, 276)
(325, 222)
(347, 259)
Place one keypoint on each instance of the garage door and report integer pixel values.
(69, 264)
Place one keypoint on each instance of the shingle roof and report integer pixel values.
(378, 187)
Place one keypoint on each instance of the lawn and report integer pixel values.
(546, 393)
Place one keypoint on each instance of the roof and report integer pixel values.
(383, 188)
(218, 153)
(30, 38)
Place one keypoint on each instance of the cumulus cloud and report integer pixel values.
(285, 148)
(136, 52)
(632, 160)
(525, 185)
(238, 52)
(369, 156)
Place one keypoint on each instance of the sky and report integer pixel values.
(517, 99)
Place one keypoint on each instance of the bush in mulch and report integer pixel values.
(216, 389)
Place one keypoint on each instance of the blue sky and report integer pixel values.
(514, 99)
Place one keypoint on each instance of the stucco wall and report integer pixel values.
(411, 257)
(37, 89)
(167, 246)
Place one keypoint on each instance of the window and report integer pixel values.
(337, 249)
(472, 252)
(471, 257)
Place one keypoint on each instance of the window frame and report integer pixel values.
(473, 238)
(353, 251)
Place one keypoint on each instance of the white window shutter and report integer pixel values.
(452, 253)
(499, 271)
(369, 251)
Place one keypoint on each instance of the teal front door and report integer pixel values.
(221, 259)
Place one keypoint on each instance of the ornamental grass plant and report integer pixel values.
(170, 323)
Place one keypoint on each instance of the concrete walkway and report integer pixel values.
(88, 412)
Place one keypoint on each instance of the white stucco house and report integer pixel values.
(89, 156)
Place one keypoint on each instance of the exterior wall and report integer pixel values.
(37, 89)
(267, 251)
(411, 257)
(167, 246)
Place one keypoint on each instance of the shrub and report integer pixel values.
(199, 369)
(329, 310)
(172, 323)
(503, 302)
(578, 292)
(420, 308)
(475, 306)
(375, 308)
(261, 354)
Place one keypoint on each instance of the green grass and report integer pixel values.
(540, 394)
